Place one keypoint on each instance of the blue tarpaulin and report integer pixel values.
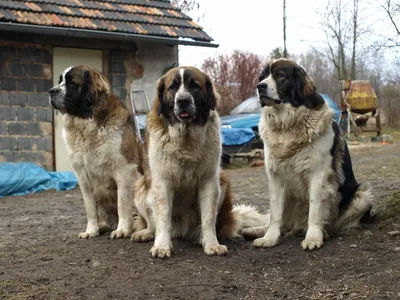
(18, 179)
(333, 106)
(236, 136)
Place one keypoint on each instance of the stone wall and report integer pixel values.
(154, 60)
(25, 115)
(26, 65)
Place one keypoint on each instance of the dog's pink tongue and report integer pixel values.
(184, 114)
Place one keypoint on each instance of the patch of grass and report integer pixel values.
(388, 211)
(394, 132)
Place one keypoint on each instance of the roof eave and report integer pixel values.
(94, 34)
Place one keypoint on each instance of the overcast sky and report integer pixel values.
(257, 26)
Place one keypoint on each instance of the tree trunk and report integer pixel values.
(353, 57)
(284, 30)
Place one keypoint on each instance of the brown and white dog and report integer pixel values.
(103, 149)
(184, 194)
(311, 182)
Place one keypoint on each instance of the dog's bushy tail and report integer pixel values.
(249, 216)
(232, 219)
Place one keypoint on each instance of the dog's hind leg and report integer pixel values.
(359, 206)
(144, 224)
(125, 204)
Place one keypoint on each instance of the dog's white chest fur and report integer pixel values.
(185, 158)
(95, 153)
(297, 146)
(89, 146)
(294, 138)
(186, 154)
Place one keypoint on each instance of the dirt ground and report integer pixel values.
(41, 256)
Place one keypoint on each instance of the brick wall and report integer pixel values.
(25, 115)
(122, 70)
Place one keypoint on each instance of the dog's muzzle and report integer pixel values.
(184, 109)
(265, 99)
(55, 99)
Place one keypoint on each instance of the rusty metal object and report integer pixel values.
(361, 97)
(359, 106)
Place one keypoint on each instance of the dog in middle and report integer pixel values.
(184, 194)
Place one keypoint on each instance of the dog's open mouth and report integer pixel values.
(268, 101)
(185, 116)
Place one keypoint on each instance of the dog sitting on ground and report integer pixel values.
(184, 194)
(104, 151)
(311, 182)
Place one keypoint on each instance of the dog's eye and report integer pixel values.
(194, 85)
(280, 75)
(73, 84)
(174, 86)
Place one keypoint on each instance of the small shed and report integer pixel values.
(131, 41)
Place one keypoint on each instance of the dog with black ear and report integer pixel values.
(184, 194)
(103, 149)
(313, 190)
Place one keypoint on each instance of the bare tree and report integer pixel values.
(355, 27)
(392, 10)
(235, 76)
(284, 30)
(390, 98)
(340, 23)
(278, 53)
(334, 26)
(186, 5)
(321, 71)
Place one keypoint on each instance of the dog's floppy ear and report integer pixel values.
(86, 93)
(211, 94)
(160, 94)
(305, 89)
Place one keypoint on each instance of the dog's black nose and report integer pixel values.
(183, 102)
(262, 87)
(52, 91)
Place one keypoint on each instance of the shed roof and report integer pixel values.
(146, 19)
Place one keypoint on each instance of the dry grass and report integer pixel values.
(386, 130)
(388, 211)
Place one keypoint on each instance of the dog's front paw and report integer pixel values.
(215, 250)
(141, 236)
(314, 239)
(161, 251)
(312, 243)
(88, 234)
(253, 232)
(120, 233)
(266, 242)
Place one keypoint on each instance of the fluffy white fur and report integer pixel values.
(185, 191)
(303, 176)
(103, 152)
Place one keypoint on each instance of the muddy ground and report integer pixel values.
(41, 256)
